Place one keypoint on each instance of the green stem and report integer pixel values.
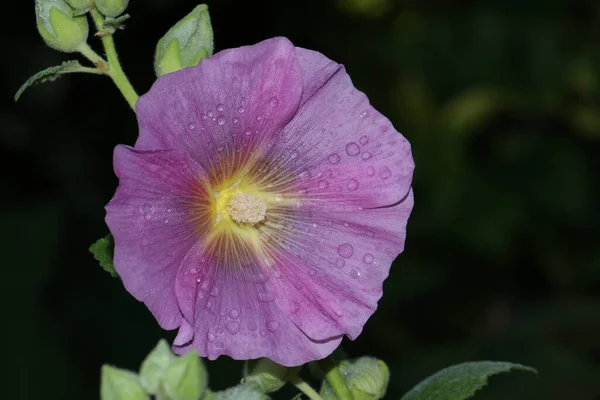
(91, 55)
(334, 377)
(114, 66)
(305, 388)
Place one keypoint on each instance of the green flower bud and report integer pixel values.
(58, 27)
(186, 43)
(154, 366)
(267, 375)
(111, 8)
(366, 377)
(79, 5)
(119, 384)
(185, 378)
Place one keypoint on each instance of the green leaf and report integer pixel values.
(53, 73)
(119, 384)
(186, 378)
(154, 366)
(245, 391)
(461, 381)
(103, 251)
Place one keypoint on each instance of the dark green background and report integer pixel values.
(500, 100)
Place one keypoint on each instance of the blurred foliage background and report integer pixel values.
(501, 101)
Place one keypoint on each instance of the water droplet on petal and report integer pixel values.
(191, 126)
(384, 172)
(370, 171)
(323, 184)
(340, 263)
(252, 326)
(352, 149)
(352, 184)
(220, 107)
(305, 175)
(210, 114)
(312, 272)
(219, 345)
(345, 250)
(210, 337)
(147, 209)
(354, 274)
(363, 140)
(215, 292)
(272, 326)
(366, 155)
(234, 313)
(233, 327)
(334, 158)
(221, 120)
(368, 258)
(293, 154)
(236, 120)
(248, 132)
(219, 331)
(273, 102)
(241, 110)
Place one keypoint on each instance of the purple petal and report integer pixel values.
(226, 107)
(150, 219)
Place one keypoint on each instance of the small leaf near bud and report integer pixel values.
(186, 43)
(119, 384)
(111, 8)
(265, 374)
(59, 28)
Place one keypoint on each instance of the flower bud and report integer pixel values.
(58, 27)
(111, 8)
(186, 43)
(81, 6)
(265, 374)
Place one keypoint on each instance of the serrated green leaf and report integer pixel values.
(245, 391)
(119, 384)
(460, 382)
(53, 73)
(103, 251)
(154, 366)
(186, 378)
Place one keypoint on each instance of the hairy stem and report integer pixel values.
(334, 377)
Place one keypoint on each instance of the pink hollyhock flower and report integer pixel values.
(262, 204)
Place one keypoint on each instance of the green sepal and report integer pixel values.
(103, 251)
(80, 6)
(461, 381)
(59, 26)
(155, 365)
(186, 43)
(185, 378)
(366, 377)
(119, 384)
(53, 73)
(111, 8)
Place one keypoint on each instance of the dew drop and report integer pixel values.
(368, 258)
(334, 158)
(354, 274)
(323, 184)
(263, 333)
(240, 110)
(293, 154)
(345, 250)
(210, 337)
(220, 107)
(236, 120)
(370, 234)
(221, 120)
(312, 272)
(272, 326)
(219, 345)
(233, 327)
(234, 313)
(370, 171)
(209, 305)
(219, 331)
(210, 114)
(273, 102)
(204, 117)
(363, 140)
(166, 220)
(252, 326)
(366, 155)
(147, 209)
(384, 172)
(191, 126)
(248, 132)
(352, 149)
(352, 184)
(305, 175)
(215, 292)
(340, 263)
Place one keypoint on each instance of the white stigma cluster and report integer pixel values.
(247, 208)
